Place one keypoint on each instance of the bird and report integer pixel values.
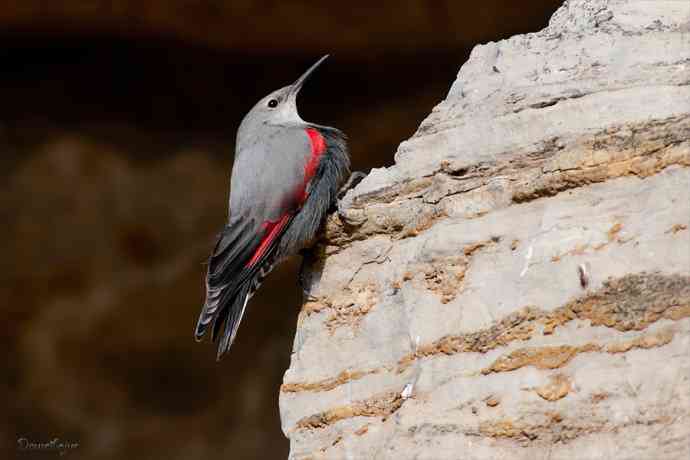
(286, 175)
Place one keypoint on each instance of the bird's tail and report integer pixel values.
(225, 313)
(230, 317)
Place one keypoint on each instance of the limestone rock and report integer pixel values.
(529, 248)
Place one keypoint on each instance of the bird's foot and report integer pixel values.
(355, 178)
(340, 206)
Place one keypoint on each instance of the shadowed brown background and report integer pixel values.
(117, 121)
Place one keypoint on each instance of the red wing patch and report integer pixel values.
(271, 230)
(318, 147)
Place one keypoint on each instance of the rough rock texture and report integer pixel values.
(517, 285)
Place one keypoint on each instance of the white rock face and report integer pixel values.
(517, 285)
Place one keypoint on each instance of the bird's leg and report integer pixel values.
(306, 254)
(355, 178)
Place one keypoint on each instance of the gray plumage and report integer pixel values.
(285, 177)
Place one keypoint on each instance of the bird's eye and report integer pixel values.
(273, 103)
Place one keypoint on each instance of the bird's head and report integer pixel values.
(279, 107)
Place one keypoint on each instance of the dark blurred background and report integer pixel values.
(117, 121)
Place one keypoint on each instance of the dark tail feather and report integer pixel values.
(230, 319)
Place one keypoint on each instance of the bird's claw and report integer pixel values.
(354, 179)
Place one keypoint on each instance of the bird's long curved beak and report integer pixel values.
(296, 86)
